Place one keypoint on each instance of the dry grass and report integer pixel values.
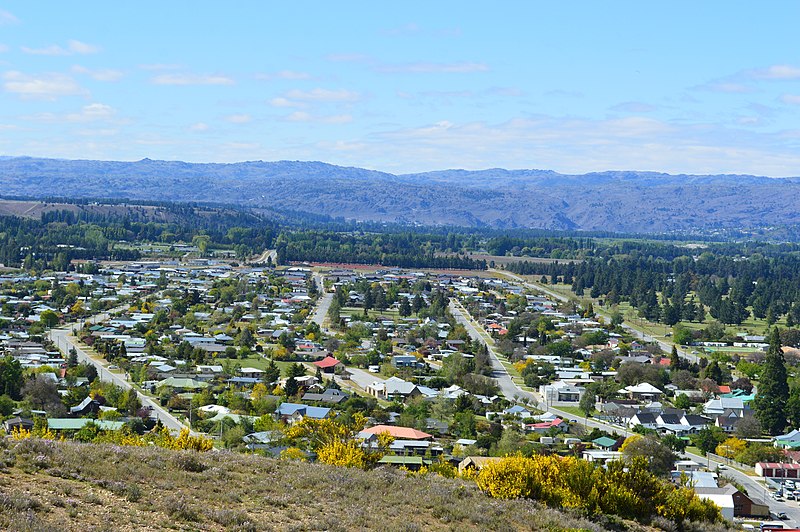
(47, 485)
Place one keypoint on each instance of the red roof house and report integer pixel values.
(400, 433)
(327, 364)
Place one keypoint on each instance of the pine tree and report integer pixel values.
(674, 359)
(405, 307)
(773, 389)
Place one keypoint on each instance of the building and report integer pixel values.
(777, 470)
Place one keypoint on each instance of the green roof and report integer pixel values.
(604, 441)
(79, 423)
(187, 384)
(401, 460)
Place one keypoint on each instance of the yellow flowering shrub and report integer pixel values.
(183, 442)
(343, 454)
(292, 453)
(625, 489)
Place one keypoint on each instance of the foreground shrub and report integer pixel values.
(627, 490)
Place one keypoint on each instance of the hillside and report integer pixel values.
(608, 201)
(46, 485)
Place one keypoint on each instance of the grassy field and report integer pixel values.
(393, 314)
(64, 486)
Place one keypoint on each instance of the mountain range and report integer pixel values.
(620, 201)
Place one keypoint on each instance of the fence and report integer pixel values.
(730, 462)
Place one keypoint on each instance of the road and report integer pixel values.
(264, 257)
(63, 339)
(324, 302)
(499, 372)
(509, 388)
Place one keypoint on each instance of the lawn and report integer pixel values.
(373, 313)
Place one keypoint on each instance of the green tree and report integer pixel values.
(271, 373)
(131, 402)
(292, 387)
(683, 402)
(674, 359)
(659, 456)
(773, 389)
(586, 404)
(10, 377)
(49, 318)
(405, 307)
(707, 438)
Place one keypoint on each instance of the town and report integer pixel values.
(426, 370)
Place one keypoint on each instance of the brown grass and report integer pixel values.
(62, 486)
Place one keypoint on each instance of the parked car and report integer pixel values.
(783, 516)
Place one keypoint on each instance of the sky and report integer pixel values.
(679, 87)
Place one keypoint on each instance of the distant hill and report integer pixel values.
(643, 202)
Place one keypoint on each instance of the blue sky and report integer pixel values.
(679, 87)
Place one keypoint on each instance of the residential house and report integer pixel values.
(86, 407)
(645, 419)
(403, 433)
(415, 447)
(394, 388)
(406, 361)
(330, 395)
(722, 497)
(328, 364)
(600, 456)
(605, 443)
(643, 391)
(294, 412)
(718, 407)
(788, 441)
(544, 427)
(17, 423)
(475, 463)
(561, 393)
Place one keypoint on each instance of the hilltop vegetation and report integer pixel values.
(49, 485)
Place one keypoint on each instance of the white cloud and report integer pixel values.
(239, 118)
(302, 116)
(285, 74)
(323, 95)
(73, 47)
(726, 87)
(779, 72)
(284, 102)
(191, 79)
(3, 48)
(792, 99)
(93, 112)
(572, 145)
(44, 86)
(99, 75)
(53, 49)
(7, 18)
(199, 127)
(78, 47)
(432, 68)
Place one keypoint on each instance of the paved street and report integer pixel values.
(64, 340)
(507, 386)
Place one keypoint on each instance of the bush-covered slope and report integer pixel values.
(47, 485)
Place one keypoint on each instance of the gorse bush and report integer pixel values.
(627, 490)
